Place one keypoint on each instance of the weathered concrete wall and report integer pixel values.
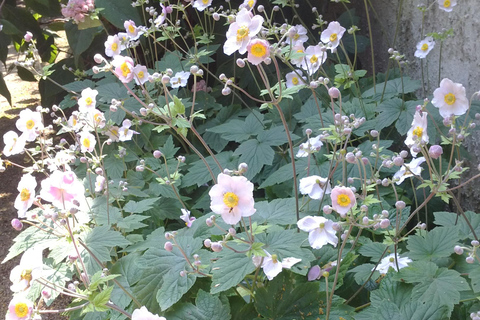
(460, 54)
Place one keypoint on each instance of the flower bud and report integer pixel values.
(183, 273)
(470, 259)
(157, 154)
(475, 243)
(193, 69)
(350, 157)
(398, 161)
(327, 209)
(403, 154)
(458, 250)
(365, 220)
(216, 16)
(226, 91)
(314, 273)
(98, 58)
(207, 243)
(17, 224)
(374, 133)
(400, 205)
(240, 63)
(385, 182)
(384, 223)
(209, 222)
(217, 247)
(168, 246)
(334, 93)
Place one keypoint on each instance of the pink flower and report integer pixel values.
(343, 199)
(140, 74)
(131, 28)
(144, 314)
(241, 31)
(29, 123)
(25, 198)
(61, 189)
(186, 217)
(28, 36)
(112, 46)
(123, 68)
(258, 51)
(19, 308)
(450, 98)
(232, 197)
(29, 269)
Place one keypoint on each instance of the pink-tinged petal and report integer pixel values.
(256, 25)
(271, 268)
(310, 223)
(243, 18)
(232, 216)
(287, 263)
(317, 239)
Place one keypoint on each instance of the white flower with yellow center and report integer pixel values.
(297, 54)
(201, 5)
(343, 199)
(125, 133)
(25, 198)
(315, 186)
(295, 78)
(417, 135)
(29, 123)
(123, 68)
(241, 31)
(409, 170)
(13, 143)
(315, 56)
(232, 198)
(450, 98)
(332, 35)
(112, 46)
(446, 5)
(87, 141)
(87, 100)
(249, 4)
(113, 133)
(258, 51)
(19, 308)
(74, 122)
(320, 231)
(140, 74)
(272, 265)
(95, 119)
(391, 261)
(133, 32)
(311, 146)
(180, 79)
(298, 34)
(424, 47)
(29, 269)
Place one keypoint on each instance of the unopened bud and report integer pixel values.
(17, 224)
(168, 246)
(240, 63)
(384, 223)
(400, 205)
(458, 250)
(314, 273)
(157, 154)
(470, 259)
(217, 247)
(207, 243)
(475, 243)
(334, 92)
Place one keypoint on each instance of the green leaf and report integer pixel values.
(278, 211)
(437, 243)
(363, 272)
(140, 206)
(256, 154)
(118, 11)
(230, 270)
(238, 130)
(100, 300)
(389, 112)
(440, 285)
(168, 149)
(393, 87)
(450, 219)
(207, 307)
(127, 268)
(79, 40)
(198, 175)
(391, 290)
(373, 250)
(4, 90)
(474, 275)
(100, 242)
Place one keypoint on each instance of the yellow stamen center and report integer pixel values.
(392, 259)
(74, 121)
(242, 33)
(424, 47)
(21, 310)
(125, 69)
(343, 200)
(333, 37)
(299, 51)
(114, 46)
(24, 194)
(446, 3)
(97, 118)
(140, 75)
(30, 124)
(88, 101)
(114, 132)
(450, 98)
(418, 131)
(296, 36)
(259, 50)
(205, 2)
(250, 3)
(230, 199)
(313, 59)
(125, 132)
(295, 80)
(274, 258)
(86, 143)
(321, 225)
(26, 275)
(131, 28)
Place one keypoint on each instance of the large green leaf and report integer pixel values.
(437, 243)
(118, 11)
(4, 90)
(240, 130)
(256, 154)
(199, 175)
(230, 270)
(140, 206)
(128, 269)
(79, 40)
(207, 307)
(450, 219)
(278, 211)
(393, 87)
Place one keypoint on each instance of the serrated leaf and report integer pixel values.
(373, 250)
(278, 211)
(230, 270)
(117, 12)
(207, 307)
(395, 86)
(198, 175)
(100, 300)
(474, 275)
(391, 290)
(437, 243)
(256, 154)
(140, 206)
(450, 219)
(362, 272)
(127, 268)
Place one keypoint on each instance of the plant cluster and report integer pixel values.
(232, 162)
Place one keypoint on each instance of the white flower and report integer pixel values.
(88, 100)
(389, 262)
(299, 34)
(95, 119)
(332, 35)
(450, 98)
(312, 145)
(99, 183)
(113, 133)
(241, 31)
(409, 170)
(186, 217)
(19, 308)
(140, 74)
(180, 79)
(295, 78)
(73, 122)
(124, 133)
(13, 143)
(29, 123)
(315, 186)
(112, 46)
(297, 54)
(446, 5)
(417, 135)
(315, 56)
(132, 31)
(272, 266)
(25, 198)
(424, 47)
(258, 51)
(248, 4)
(29, 269)
(201, 5)
(320, 231)
(144, 314)
(87, 141)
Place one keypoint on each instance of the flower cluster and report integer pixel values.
(78, 10)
